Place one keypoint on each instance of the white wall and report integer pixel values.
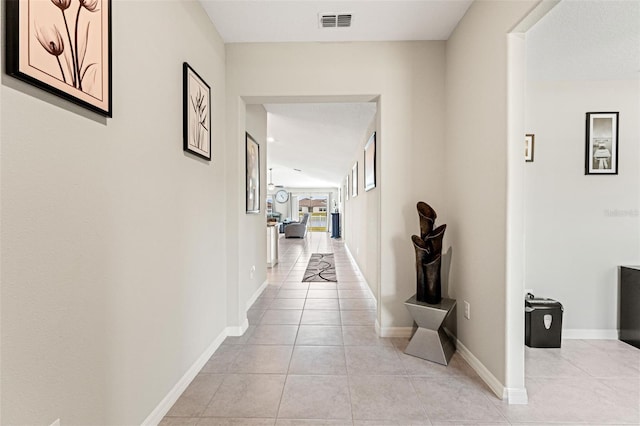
(580, 228)
(361, 215)
(113, 256)
(476, 175)
(409, 77)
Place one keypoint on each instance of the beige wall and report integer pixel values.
(361, 218)
(409, 78)
(256, 254)
(476, 174)
(113, 261)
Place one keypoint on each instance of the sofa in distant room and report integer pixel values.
(274, 217)
(297, 229)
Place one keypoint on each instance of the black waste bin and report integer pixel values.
(335, 225)
(542, 322)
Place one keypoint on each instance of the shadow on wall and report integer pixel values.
(445, 271)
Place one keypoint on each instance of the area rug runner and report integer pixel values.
(321, 268)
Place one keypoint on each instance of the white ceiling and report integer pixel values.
(241, 21)
(319, 139)
(586, 40)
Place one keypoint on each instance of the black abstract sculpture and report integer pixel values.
(428, 248)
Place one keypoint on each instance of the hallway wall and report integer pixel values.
(362, 215)
(112, 244)
(409, 78)
(476, 174)
(255, 254)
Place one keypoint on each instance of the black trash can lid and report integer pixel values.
(542, 304)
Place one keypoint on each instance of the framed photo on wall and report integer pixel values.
(63, 47)
(345, 189)
(354, 180)
(529, 140)
(601, 153)
(196, 113)
(252, 174)
(370, 163)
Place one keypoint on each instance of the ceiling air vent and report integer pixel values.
(344, 21)
(335, 20)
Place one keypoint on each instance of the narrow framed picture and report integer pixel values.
(601, 153)
(63, 47)
(252, 174)
(354, 180)
(529, 143)
(196, 113)
(346, 188)
(370, 163)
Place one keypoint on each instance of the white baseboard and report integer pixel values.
(238, 330)
(484, 373)
(167, 402)
(590, 334)
(393, 331)
(256, 294)
(353, 260)
(517, 396)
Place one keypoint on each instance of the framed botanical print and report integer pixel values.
(63, 47)
(196, 113)
(252, 174)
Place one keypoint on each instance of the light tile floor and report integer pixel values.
(311, 356)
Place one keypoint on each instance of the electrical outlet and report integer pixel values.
(467, 310)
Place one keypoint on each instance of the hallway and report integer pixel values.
(311, 356)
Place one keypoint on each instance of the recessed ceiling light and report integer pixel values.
(270, 139)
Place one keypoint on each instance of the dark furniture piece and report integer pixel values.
(335, 225)
(542, 323)
(629, 305)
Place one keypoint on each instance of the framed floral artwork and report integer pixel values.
(196, 111)
(63, 47)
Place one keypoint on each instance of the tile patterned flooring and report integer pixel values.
(311, 357)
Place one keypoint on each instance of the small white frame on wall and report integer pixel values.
(354, 180)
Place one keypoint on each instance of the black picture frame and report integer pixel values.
(252, 174)
(196, 113)
(370, 163)
(601, 143)
(33, 66)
